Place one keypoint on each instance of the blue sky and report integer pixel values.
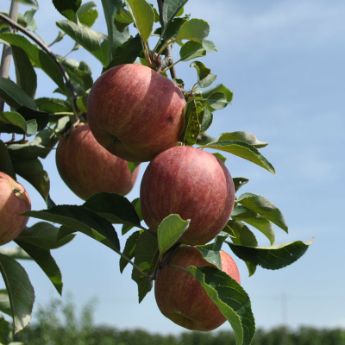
(284, 61)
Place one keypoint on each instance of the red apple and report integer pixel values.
(192, 183)
(180, 297)
(88, 168)
(135, 112)
(14, 201)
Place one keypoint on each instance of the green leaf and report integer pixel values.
(143, 16)
(273, 257)
(254, 219)
(14, 96)
(127, 52)
(53, 105)
(210, 255)
(32, 171)
(244, 151)
(16, 253)
(116, 35)
(87, 13)
(47, 263)
(114, 207)
(192, 123)
(137, 206)
(37, 56)
(263, 207)
(43, 235)
(239, 182)
(67, 8)
(231, 300)
(244, 137)
(27, 19)
(11, 121)
(170, 230)
(129, 250)
(79, 218)
(193, 30)
(5, 305)
(5, 161)
(25, 73)
(240, 233)
(29, 2)
(146, 256)
(20, 291)
(192, 50)
(206, 78)
(219, 97)
(94, 42)
(170, 10)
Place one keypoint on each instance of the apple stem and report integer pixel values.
(6, 51)
(14, 25)
(167, 51)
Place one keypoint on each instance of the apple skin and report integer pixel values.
(181, 298)
(135, 112)
(88, 168)
(14, 201)
(192, 183)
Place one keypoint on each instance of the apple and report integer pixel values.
(192, 183)
(135, 112)
(88, 168)
(181, 298)
(14, 201)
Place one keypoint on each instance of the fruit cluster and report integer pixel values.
(136, 114)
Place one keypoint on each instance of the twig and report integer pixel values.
(41, 44)
(6, 51)
(167, 51)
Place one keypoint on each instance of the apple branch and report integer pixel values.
(42, 45)
(167, 51)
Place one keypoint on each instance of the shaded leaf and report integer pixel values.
(129, 250)
(20, 291)
(219, 97)
(206, 78)
(6, 165)
(244, 137)
(67, 8)
(239, 182)
(170, 10)
(192, 50)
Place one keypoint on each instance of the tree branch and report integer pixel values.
(6, 51)
(43, 46)
(167, 51)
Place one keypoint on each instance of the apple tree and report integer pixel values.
(190, 213)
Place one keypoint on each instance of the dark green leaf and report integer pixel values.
(244, 151)
(29, 2)
(14, 96)
(244, 137)
(193, 30)
(146, 256)
(129, 250)
(170, 10)
(32, 171)
(5, 305)
(192, 50)
(263, 207)
(240, 233)
(219, 97)
(94, 42)
(211, 255)
(67, 8)
(53, 105)
(87, 13)
(192, 123)
(273, 257)
(137, 206)
(170, 230)
(12, 122)
(47, 263)
(20, 291)
(6, 165)
(239, 182)
(254, 219)
(25, 73)
(38, 57)
(231, 300)
(127, 52)
(114, 207)
(43, 235)
(79, 218)
(143, 16)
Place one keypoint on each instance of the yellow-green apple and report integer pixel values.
(135, 112)
(192, 183)
(14, 202)
(181, 298)
(88, 168)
